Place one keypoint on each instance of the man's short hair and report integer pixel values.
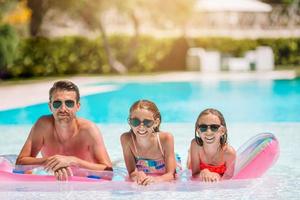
(64, 85)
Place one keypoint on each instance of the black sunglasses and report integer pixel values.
(135, 122)
(57, 104)
(212, 127)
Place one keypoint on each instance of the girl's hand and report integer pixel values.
(207, 176)
(142, 179)
(139, 176)
(147, 180)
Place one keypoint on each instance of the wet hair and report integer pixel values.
(147, 105)
(64, 85)
(223, 139)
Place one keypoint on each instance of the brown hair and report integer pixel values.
(223, 139)
(147, 105)
(64, 85)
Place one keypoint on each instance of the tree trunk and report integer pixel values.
(113, 63)
(94, 22)
(135, 41)
(39, 9)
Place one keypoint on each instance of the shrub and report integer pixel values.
(74, 55)
(8, 46)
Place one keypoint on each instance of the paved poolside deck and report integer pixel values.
(24, 94)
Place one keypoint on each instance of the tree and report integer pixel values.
(8, 39)
(278, 1)
(6, 6)
(8, 46)
(175, 12)
(90, 12)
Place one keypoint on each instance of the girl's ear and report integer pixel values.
(222, 130)
(156, 122)
(198, 133)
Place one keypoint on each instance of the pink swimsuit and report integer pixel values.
(150, 166)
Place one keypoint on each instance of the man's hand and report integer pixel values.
(57, 162)
(62, 174)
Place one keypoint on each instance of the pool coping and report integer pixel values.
(24, 94)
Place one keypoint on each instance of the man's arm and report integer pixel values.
(99, 151)
(33, 145)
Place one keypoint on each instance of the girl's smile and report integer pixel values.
(142, 122)
(210, 140)
(142, 132)
(209, 129)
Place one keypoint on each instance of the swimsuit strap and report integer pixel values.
(159, 144)
(136, 151)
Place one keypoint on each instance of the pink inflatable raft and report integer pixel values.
(19, 173)
(254, 158)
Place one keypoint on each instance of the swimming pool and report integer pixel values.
(250, 107)
(240, 101)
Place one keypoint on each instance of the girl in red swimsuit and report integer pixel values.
(210, 155)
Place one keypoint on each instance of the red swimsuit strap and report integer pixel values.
(220, 169)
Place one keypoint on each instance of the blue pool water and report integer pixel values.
(249, 107)
(239, 101)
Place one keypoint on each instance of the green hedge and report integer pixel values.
(8, 49)
(68, 55)
(74, 55)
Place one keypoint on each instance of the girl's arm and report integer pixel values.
(170, 163)
(129, 157)
(195, 159)
(229, 157)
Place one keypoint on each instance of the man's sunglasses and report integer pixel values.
(135, 122)
(212, 127)
(57, 104)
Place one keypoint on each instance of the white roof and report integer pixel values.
(232, 6)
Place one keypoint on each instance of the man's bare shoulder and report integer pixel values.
(87, 126)
(45, 121)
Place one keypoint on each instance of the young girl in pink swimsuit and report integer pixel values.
(148, 152)
(210, 155)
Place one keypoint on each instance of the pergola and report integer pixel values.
(232, 6)
(232, 13)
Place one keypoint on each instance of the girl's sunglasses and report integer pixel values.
(57, 104)
(205, 127)
(135, 122)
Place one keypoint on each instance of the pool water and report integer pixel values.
(239, 101)
(250, 107)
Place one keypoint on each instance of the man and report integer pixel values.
(63, 139)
